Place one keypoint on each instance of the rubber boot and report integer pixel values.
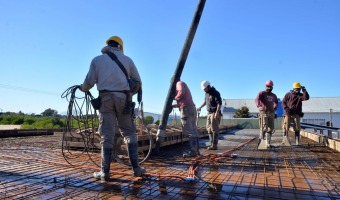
(285, 140)
(104, 173)
(268, 139)
(262, 137)
(193, 148)
(297, 137)
(284, 135)
(215, 141)
(117, 141)
(210, 139)
(198, 146)
(133, 155)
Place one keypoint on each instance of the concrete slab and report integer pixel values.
(262, 145)
(285, 142)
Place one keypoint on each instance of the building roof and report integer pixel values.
(313, 105)
(322, 104)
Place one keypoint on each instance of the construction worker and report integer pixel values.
(292, 105)
(113, 90)
(213, 102)
(267, 103)
(188, 117)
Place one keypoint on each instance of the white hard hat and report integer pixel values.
(204, 84)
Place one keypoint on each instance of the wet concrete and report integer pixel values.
(34, 168)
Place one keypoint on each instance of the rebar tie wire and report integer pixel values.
(82, 120)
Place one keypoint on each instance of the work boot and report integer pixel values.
(210, 139)
(213, 147)
(268, 139)
(104, 173)
(117, 150)
(262, 135)
(193, 148)
(297, 137)
(189, 154)
(198, 146)
(215, 141)
(133, 155)
(285, 135)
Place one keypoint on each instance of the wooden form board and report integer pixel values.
(173, 136)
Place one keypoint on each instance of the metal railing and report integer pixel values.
(326, 131)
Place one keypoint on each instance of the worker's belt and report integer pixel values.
(121, 91)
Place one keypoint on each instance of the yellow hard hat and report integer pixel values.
(296, 85)
(116, 39)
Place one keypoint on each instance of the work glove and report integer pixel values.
(303, 88)
(79, 87)
(287, 110)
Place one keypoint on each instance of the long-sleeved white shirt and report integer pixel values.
(107, 75)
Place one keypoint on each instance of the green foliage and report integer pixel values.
(49, 113)
(12, 119)
(28, 121)
(19, 120)
(148, 119)
(157, 122)
(31, 121)
(243, 112)
(43, 122)
(138, 121)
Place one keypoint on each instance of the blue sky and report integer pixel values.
(47, 46)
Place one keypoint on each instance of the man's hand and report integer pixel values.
(287, 110)
(79, 87)
(217, 115)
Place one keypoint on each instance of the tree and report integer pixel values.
(138, 121)
(49, 113)
(243, 112)
(148, 119)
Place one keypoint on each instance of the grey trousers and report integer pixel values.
(188, 120)
(111, 119)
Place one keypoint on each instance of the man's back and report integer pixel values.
(106, 73)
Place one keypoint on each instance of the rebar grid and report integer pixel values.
(308, 171)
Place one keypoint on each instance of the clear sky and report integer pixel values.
(47, 46)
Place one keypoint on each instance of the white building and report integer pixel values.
(156, 117)
(318, 110)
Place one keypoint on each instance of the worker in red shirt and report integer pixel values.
(188, 117)
(266, 101)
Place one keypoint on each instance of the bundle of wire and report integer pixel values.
(81, 127)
